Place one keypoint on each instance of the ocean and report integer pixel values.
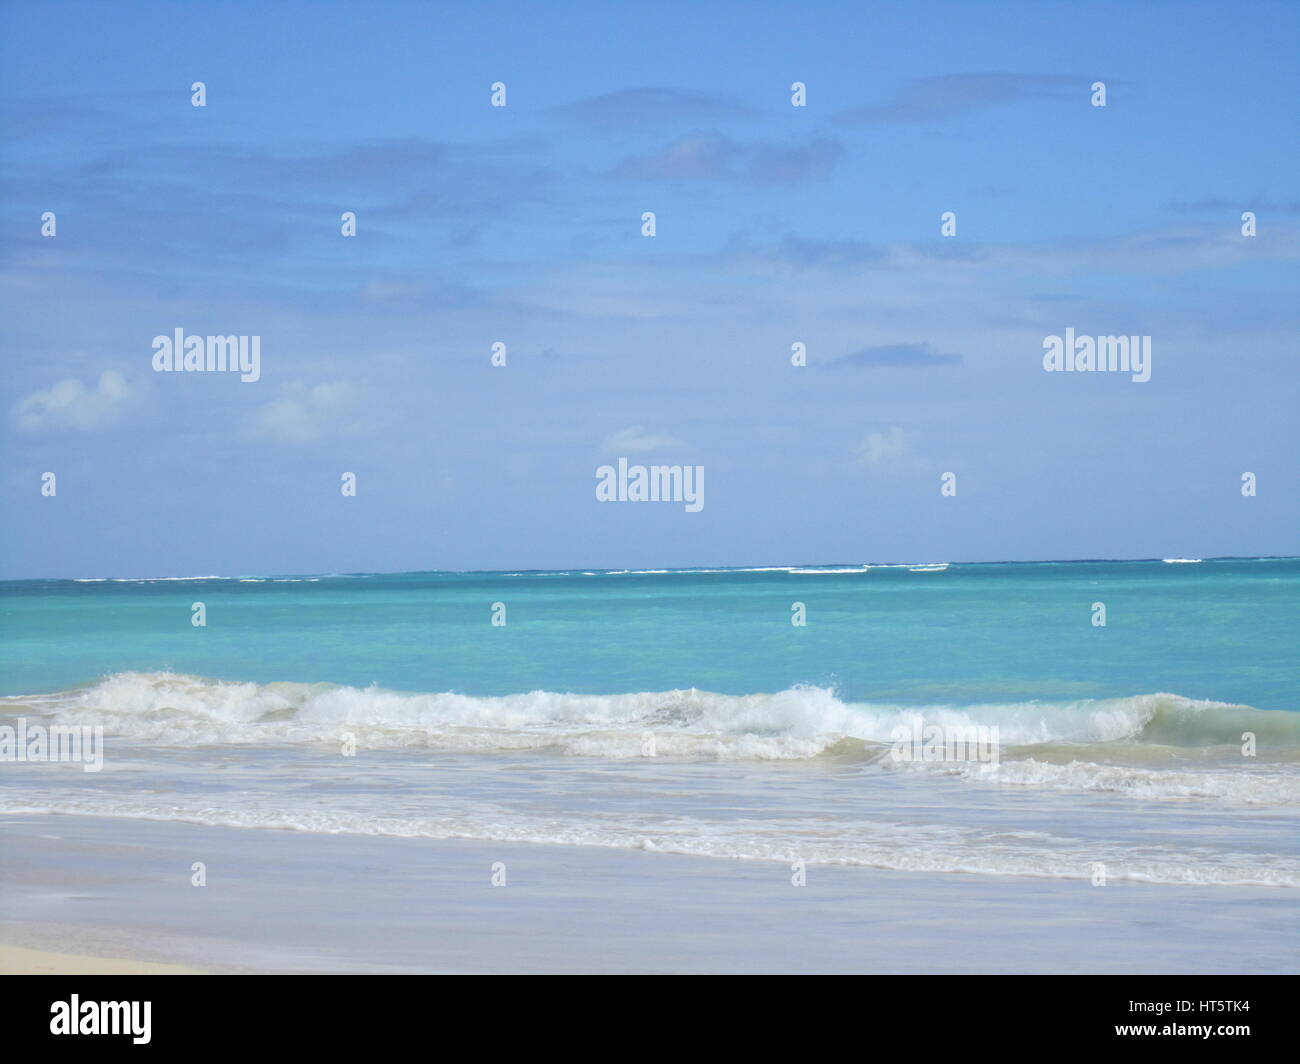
(681, 712)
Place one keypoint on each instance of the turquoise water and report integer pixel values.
(1221, 630)
(682, 712)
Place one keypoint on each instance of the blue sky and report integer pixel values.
(521, 224)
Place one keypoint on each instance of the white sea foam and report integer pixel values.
(942, 848)
(166, 579)
(828, 572)
(1243, 785)
(1150, 746)
(160, 705)
(434, 771)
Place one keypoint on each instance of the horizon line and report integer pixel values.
(647, 571)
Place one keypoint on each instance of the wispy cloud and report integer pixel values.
(153, 203)
(72, 405)
(1218, 204)
(896, 355)
(833, 254)
(304, 414)
(883, 448)
(636, 440)
(1168, 249)
(651, 106)
(711, 156)
(946, 96)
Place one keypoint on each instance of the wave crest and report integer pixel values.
(799, 722)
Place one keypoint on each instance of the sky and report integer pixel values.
(522, 225)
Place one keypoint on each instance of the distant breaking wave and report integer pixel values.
(825, 568)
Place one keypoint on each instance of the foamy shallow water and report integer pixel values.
(1150, 789)
(296, 900)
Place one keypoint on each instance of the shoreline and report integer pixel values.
(116, 896)
(18, 960)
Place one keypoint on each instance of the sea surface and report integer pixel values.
(681, 711)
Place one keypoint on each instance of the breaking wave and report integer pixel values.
(800, 722)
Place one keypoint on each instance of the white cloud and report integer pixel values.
(70, 404)
(883, 448)
(635, 440)
(304, 414)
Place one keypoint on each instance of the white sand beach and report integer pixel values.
(15, 960)
(76, 889)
